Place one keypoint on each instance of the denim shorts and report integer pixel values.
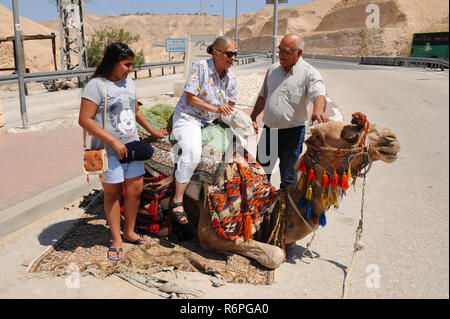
(117, 172)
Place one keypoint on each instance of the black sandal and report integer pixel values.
(177, 216)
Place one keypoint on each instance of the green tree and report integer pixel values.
(101, 38)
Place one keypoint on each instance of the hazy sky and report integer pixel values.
(43, 10)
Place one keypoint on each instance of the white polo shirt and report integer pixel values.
(288, 94)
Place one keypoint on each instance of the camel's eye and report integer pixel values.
(350, 134)
(353, 139)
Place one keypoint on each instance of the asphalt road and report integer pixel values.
(406, 226)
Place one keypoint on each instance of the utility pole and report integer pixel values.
(236, 24)
(72, 38)
(19, 60)
(275, 30)
(339, 38)
(223, 17)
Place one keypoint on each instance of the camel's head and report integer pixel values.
(382, 142)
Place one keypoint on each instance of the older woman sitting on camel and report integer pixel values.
(210, 89)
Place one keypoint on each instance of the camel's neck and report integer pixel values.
(313, 196)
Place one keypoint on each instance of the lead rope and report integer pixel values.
(358, 244)
(311, 229)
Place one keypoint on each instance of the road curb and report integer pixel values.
(25, 213)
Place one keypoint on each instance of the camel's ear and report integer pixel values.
(316, 138)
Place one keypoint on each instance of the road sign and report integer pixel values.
(198, 43)
(279, 1)
(176, 45)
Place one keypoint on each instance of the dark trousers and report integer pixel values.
(285, 144)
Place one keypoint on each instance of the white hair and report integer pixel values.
(300, 44)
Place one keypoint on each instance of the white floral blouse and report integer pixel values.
(204, 82)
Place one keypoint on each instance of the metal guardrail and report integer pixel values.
(55, 75)
(50, 76)
(406, 61)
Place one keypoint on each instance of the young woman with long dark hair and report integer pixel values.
(122, 113)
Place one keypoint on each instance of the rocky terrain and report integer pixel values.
(333, 27)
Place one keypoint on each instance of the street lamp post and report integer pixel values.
(275, 29)
(236, 24)
(19, 65)
(223, 17)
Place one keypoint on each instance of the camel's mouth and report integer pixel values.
(388, 156)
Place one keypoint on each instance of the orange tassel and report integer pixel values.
(302, 168)
(325, 179)
(335, 180)
(344, 181)
(311, 175)
(247, 226)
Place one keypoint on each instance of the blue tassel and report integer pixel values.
(308, 211)
(343, 194)
(323, 220)
(302, 201)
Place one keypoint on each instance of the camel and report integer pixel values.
(330, 144)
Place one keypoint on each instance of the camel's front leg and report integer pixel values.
(267, 255)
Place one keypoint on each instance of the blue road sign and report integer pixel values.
(176, 45)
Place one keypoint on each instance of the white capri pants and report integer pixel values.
(188, 134)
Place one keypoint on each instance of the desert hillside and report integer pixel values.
(343, 29)
(330, 27)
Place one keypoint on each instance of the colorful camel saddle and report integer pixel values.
(244, 200)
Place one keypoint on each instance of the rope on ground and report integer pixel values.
(358, 245)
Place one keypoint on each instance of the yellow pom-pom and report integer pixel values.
(301, 186)
(333, 199)
(309, 193)
(324, 199)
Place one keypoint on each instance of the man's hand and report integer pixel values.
(255, 127)
(320, 105)
(320, 117)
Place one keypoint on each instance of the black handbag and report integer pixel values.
(138, 151)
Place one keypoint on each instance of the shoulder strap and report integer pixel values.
(104, 113)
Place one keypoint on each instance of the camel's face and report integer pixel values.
(383, 144)
(335, 134)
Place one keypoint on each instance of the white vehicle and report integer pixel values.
(269, 54)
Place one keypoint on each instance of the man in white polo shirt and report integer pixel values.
(284, 97)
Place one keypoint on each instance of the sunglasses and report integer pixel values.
(284, 51)
(229, 54)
